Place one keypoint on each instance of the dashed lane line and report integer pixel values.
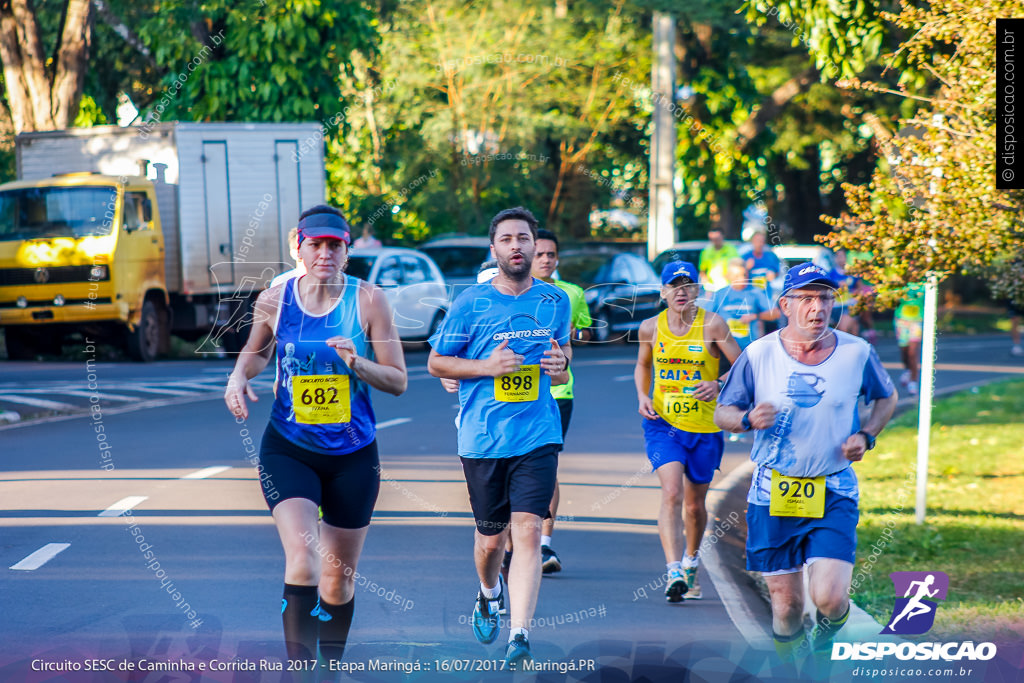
(122, 506)
(41, 556)
(206, 472)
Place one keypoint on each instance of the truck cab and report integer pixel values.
(82, 252)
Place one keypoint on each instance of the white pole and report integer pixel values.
(661, 216)
(924, 422)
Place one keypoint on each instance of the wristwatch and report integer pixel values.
(870, 440)
(746, 421)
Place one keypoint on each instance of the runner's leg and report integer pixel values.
(524, 575)
(337, 586)
(297, 520)
(670, 514)
(696, 518)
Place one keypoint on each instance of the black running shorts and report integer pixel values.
(500, 486)
(345, 486)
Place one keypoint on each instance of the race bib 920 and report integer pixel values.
(321, 399)
(797, 496)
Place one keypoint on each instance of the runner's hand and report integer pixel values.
(504, 360)
(450, 385)
(554, 361)
(762, 416)
(647, 408)
(748, 317)
(234, 396)
(344, 348)
(854, 447)
(706, 391)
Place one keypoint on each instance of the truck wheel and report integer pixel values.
(20, 343)
(144, 340)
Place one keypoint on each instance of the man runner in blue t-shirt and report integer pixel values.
(506, 340)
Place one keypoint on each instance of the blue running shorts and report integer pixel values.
(701, 454)
(781, 543)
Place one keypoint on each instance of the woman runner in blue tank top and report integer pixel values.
(334, 340)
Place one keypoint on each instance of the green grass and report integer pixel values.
(974, 530)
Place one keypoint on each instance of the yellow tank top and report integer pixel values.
(679, 363)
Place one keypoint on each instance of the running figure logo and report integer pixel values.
(914, 613)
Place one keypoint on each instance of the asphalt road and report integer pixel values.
(177, 460)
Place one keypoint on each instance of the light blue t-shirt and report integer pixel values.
(732, 304)
(479, 320)
(816, 408)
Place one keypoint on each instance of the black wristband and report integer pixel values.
(746, 421)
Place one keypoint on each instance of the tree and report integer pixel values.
(932, 207)
(42, 92)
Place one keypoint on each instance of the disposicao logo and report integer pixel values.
(917, 597)
(914, 612)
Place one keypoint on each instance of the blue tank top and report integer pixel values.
(321, 405)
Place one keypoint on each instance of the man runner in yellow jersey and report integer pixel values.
(683, 345)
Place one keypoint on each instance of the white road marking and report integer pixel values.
(393, 423)
(622, 378)
(160, 390)
(199, 385)
(206, 472)
(122, 506)
(41, 556)
(37, 402)
(103, 395)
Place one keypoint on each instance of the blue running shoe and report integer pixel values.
(518, 652)
(485, 618)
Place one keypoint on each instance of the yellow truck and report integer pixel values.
(130, 235)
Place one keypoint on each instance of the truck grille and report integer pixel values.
(55, 275)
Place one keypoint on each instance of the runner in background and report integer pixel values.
(846, 291)
(367, 240)
(909, 322)
(742, 305)
(714, 259)
(293, 249)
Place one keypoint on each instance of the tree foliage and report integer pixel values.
(932, 207)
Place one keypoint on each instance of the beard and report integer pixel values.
(515, 272)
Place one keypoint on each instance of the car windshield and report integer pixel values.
(458, 261)
(580, 269)
(360, 266)
(40, 212)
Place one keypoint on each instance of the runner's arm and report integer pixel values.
(642, 369)
(255, 354)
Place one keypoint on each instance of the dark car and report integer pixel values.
(622, 290)
(459, 258)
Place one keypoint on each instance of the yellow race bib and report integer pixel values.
(519, 386)
(682, 403)
(321, 399)
(739, 329)
(797, 496)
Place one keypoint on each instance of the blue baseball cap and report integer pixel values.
(804, 274)
(325, 225)
(676, 269)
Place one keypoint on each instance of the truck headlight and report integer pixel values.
(98, 273)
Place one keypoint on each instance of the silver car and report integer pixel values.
(412, 282)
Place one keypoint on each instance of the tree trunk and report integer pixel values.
(37, 100)
(72, 61)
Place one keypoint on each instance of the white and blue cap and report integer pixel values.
(804, 274)
(677, 269)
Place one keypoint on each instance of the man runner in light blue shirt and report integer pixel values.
(505, 340)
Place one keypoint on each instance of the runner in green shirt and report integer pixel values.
(544, 264)
(714, 261)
